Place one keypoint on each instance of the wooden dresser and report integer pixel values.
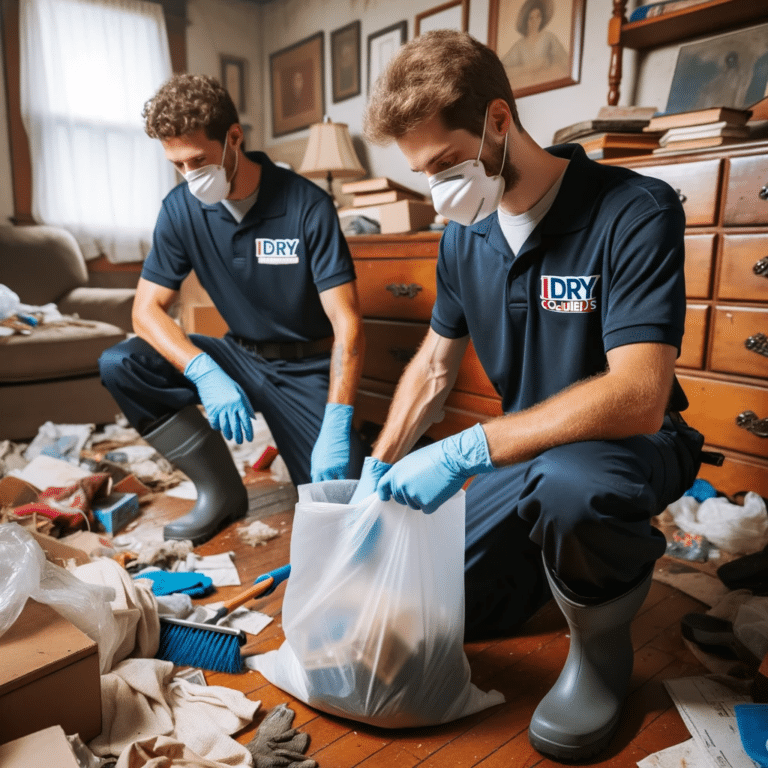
(723, 366)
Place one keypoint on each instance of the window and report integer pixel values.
(78, 73)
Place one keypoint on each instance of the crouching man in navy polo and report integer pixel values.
(266, 245)
(567, 276)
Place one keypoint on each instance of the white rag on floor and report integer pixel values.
(220, 568)
(162, 752)
(140, 700)
(135, 610)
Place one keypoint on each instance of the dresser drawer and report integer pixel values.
(396, 288)
(746, 195)
(699, 257)
(742, 256)
(391, 344)
(696, 184)
(733, 327)
(714, 407)
(738, 473)
(695, 337)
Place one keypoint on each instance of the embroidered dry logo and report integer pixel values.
(569, 294)
(277, 251)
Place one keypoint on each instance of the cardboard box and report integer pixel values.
(48, 748)
(59, 552)
(116, 510)
(49, 675)
(405, 216)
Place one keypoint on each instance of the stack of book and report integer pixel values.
(396, 208)
(615, 132)
(700, 128)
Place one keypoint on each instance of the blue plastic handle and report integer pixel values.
(279, 575)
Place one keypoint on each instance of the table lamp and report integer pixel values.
(330, 154)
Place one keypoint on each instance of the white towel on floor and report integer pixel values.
(140, 700)
(162, 752)
(134, 609)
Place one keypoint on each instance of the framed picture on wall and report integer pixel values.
(539, 42)
(382, 46)
(345, 62)
(233, 79)
(730, 70)
(451, 15)
(298, 85)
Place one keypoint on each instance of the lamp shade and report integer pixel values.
(330, 153)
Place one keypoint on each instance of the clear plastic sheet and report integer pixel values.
(25, 573)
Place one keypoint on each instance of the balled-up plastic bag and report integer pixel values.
(373, 612)
(25, 573)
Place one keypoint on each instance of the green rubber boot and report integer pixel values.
(579, 716)
(189, 442)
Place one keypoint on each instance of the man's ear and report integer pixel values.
(235, 136)
(500, 116)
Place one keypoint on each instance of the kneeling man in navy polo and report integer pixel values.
(567, 275)
(266, 245)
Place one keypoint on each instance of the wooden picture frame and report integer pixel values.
(538, 57)
(345, 62)
(298, 85)
(233, 79)
(451, 15)
(382, 46)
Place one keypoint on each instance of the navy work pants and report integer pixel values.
(587, 506)
(290, 394)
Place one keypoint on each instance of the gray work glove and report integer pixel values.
(276, 745)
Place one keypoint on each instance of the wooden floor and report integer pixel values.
(522, 668)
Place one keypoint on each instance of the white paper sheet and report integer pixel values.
(706, 707)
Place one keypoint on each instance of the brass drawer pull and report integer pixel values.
(757, 343)
(680, 195)
(748, 420)
(761, 267)
(399, 290)
(402, 354)
(763, 193)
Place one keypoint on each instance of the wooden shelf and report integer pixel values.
(713, 17)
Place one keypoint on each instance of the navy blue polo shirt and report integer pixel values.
(264, 275)
(602, 269)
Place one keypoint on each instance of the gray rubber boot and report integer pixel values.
(578, 717)
(189, 442)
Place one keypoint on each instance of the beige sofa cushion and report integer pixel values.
(40, 263)
(110, 305)
(56, 350)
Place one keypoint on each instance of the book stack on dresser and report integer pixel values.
(615, 132)
(700, 128)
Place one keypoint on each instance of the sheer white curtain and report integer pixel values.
(87, 67)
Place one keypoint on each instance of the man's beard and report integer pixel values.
(509, 171)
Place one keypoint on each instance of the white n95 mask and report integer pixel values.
(464, 193)
(209, 184)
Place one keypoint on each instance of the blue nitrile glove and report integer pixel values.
(752, 721)
(373, 471)
(427, 478)
(330, 456)
(227, 406)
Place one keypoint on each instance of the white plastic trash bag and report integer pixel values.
(731, 527)
(373, 612)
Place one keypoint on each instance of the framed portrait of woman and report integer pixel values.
(538, 41)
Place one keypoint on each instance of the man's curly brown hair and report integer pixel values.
(441, 72)
(186, 103)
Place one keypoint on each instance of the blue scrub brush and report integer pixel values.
(205, 645)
